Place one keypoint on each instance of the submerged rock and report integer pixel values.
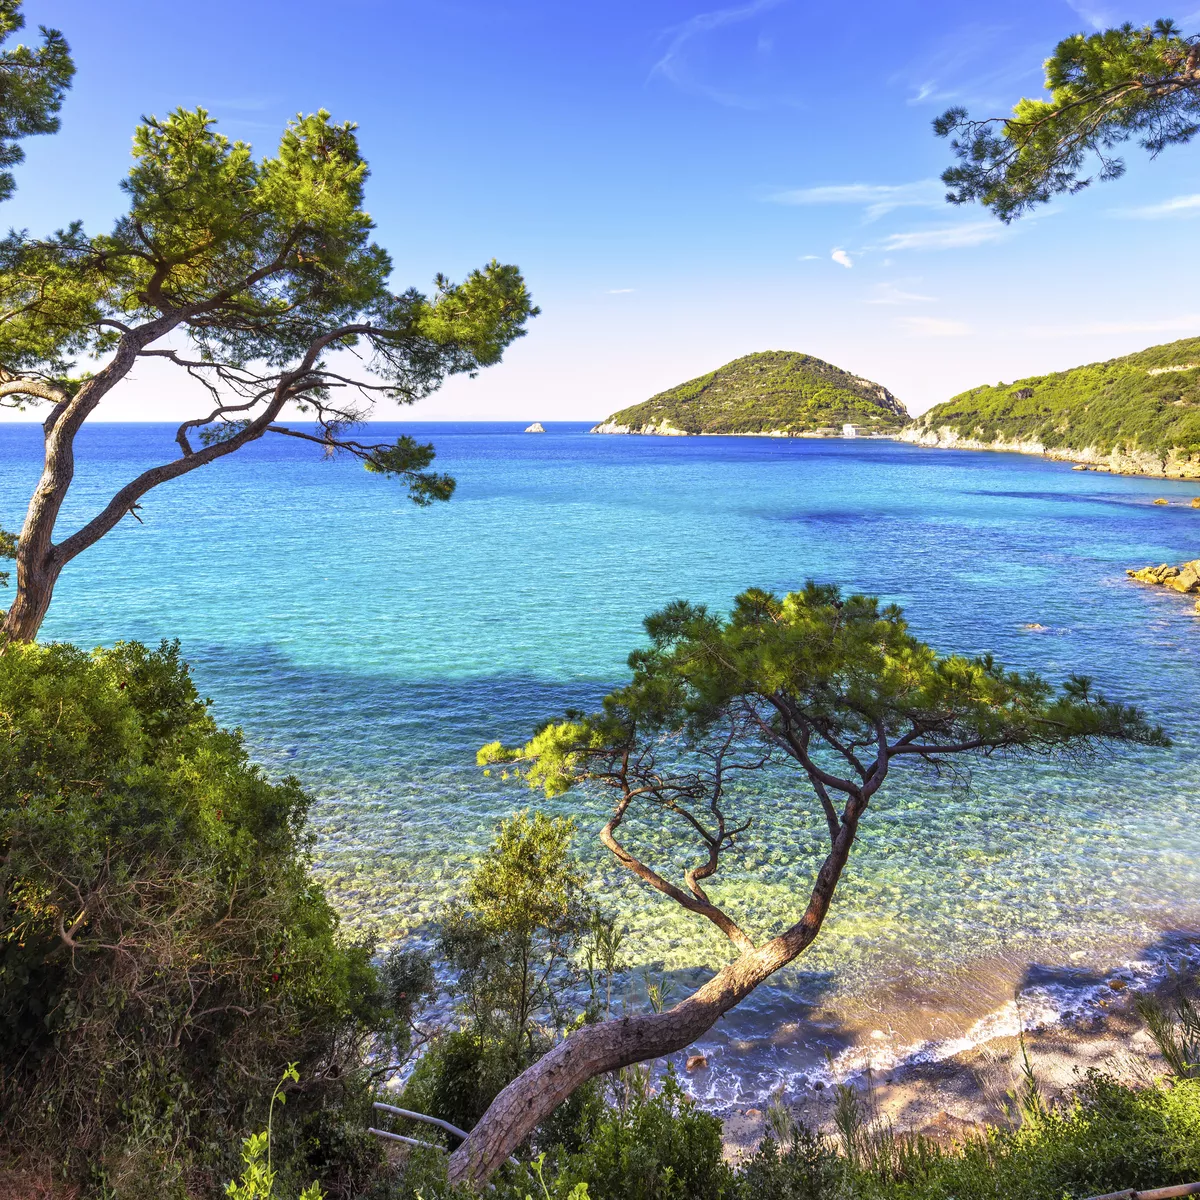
(695, 1062)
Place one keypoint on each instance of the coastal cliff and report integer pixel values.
(776, 393)
(1172, 465)
(1136, 415)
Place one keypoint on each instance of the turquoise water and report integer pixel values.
(370, 647)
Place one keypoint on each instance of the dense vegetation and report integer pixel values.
(777, 390)
(165, 957)
(1149, 401)
(164, 952)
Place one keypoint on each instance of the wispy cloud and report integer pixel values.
(809, 257)
(972, 62)
(876, 199)
(620, 291)
(1096, 16)
(673, 65)
(1177, 206)
(932, 327)
(890, 293)
(842, 258)
(950, 237)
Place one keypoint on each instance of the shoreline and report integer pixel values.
(1132, 463)
(665, 430)
(1135, 464)
(959, 1096)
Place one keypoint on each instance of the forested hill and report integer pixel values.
(1145, 405)
(777, 391)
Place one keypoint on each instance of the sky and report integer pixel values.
(681, 183)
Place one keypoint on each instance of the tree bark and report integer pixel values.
(39, 561)
(35, 588)
(597, 1049)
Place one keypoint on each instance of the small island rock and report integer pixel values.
(696, 1062)
(536, 427)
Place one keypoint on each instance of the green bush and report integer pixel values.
(659, 1147)
(163, 950)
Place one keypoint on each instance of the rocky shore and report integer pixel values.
(1132, 462)
(1184, 578)
(664, 428)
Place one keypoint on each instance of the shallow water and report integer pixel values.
(370, 647)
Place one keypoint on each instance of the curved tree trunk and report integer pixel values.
(38, 566)
(35, 587)
(596, 1049)
(39, 561)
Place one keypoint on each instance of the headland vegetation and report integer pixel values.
(775, 393)
(1136, 415)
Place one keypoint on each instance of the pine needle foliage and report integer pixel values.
(1105, 89)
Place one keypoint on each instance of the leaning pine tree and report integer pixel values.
(833, 690)
(260, 281)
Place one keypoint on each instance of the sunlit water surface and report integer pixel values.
(370, 647)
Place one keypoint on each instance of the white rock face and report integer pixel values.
(663, 429)
(1129, 462)
(536, 427)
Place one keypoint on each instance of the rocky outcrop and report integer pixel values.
(666, 429)
(1120, 462)
(1184, 578)
(536, 427)
(663, 429)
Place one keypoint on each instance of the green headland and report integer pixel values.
(1135, 415)
(779, 392)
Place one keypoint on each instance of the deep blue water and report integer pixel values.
(370, 647)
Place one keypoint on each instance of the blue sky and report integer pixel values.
(681, 183)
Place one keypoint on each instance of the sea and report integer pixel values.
(369, 647)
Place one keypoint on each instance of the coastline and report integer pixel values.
(1136, 462)
(666, 430)
(957, 1097)
(953, 1098)
(1133, 463)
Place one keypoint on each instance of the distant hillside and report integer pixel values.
(776, 392)
(1138, 414)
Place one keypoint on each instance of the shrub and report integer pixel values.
(163, 950)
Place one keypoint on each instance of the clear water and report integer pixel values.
(370, 647)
